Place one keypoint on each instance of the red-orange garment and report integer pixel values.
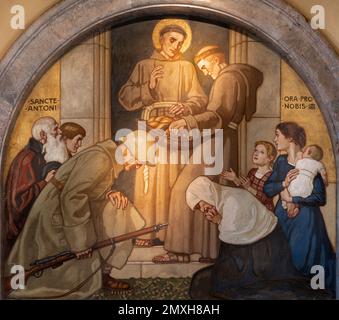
(23, 185)
(258, 185)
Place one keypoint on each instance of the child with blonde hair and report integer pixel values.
(263, 156)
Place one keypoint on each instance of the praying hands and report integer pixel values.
(211, 213)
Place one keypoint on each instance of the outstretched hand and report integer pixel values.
(245, 182)
(229, 175)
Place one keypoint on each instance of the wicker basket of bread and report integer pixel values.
(157, 117)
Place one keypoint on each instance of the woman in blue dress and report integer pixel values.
(304, 229)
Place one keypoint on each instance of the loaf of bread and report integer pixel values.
(160, 122)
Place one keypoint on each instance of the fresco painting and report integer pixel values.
(192, 141)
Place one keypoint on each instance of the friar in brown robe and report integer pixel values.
(176, 83)
(72, 213)
(232, 96)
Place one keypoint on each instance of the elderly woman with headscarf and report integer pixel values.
(253, 251)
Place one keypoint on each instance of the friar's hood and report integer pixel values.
(109, 146)
(253, 78)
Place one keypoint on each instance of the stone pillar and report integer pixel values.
(243, 49)
(238, 54)
(86, 87)
(262, 126)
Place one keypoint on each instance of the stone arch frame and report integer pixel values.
(277, 24)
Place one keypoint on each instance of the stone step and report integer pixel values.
(153, 270)
(147, 254)
(140, 265)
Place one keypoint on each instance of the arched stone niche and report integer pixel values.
(274, 22)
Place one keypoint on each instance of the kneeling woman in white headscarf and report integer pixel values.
(253, 249)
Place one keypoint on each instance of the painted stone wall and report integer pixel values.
(85, 87)
(297, 104)
(44, 100)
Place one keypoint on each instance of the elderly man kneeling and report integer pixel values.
(76, 209)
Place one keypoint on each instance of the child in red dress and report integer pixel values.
(263, 156)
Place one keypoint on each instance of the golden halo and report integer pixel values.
(166, 22)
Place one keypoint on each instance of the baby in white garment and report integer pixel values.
(309, 165)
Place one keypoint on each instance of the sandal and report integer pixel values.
(171, 257)
(147, 243)
(115, 284)
(206, 260)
